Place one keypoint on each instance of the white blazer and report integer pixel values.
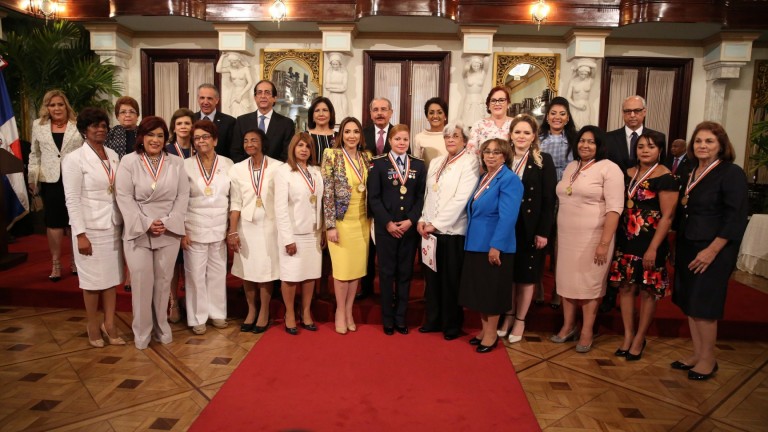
(207, 216)
(297, 214)
(445, 208)
(90, 203)
(45, 157)
(243, 197)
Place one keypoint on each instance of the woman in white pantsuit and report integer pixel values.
(298, 200)
(152, 193)
(88, 174)
(205, 251)
(252, 233)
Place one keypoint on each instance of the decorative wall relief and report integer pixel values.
(236, 84)
(580, 89)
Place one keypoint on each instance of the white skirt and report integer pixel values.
(258, 259)
(306, 263)
(104, 268)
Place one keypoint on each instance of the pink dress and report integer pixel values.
(580, 219)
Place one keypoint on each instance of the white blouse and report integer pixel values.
(208, 214)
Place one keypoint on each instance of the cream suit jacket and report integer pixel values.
(45, 157)
(445, 208)
(296, 214)
(242, 197)
(90, 203)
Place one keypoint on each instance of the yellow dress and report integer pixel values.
(349, 256)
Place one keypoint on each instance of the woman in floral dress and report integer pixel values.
(639, 263)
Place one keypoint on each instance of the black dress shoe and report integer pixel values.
(403, 330)
(680, 365)
(620, 352)
(260, 329)
(247, 327)
(475, 341)
(636, 357)
(293, 331)
(389, 331)
(450, 336)
(693, 375)
(482, 349)
(310, 327)
(427, 329)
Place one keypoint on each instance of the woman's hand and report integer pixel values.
(494, 257)
(420, 229)
(649, 259)
(703, 259)
(185, 242)
(323, 240)
(290, 249)
(32, 188)
(233, 241)
(601, 254)
(541, 242)
(157, 228)
(84, 245)
(394, 230)
(333, 235)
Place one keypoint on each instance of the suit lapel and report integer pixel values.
(70, 135)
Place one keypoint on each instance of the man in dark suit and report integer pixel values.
(279, 129)
(622, 150)
(396, 186)
(677, 161)
(208, 99)
(376, 135)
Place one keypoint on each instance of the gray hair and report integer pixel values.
(208, 86)
(450, 128)
(632, 97)
(370, 105)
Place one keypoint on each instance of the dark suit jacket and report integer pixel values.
(225, 124)
(537, 210)
(617, 147)
(369, 134)
(683, 169)
(279, 133)
(384, 198)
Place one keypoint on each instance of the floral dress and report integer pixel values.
(634, 236)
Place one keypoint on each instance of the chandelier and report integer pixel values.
(278, 11)
(539, 13)
(47, 9)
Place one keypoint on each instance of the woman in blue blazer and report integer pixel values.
(487, 274)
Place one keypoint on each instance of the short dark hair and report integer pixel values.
(505, 148)
(494, 90)
(318, 100)
(207, 126)
(601, 152)
(726, 152)
(657, 139)
(91, 116)
(262, 135)
(179, 113)
(126, 100)
(147, 125)
(274, 89)
(438, 101)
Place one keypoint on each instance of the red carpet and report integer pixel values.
(366, 381)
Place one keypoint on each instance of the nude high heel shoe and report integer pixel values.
(112, 341)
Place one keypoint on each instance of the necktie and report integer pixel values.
(633, 147)
(261, 123)
(674, 165)
(380, 143)
(400, 165)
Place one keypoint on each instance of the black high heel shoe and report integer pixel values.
(693, 375)
(638, 356)
(678, 365)
(620, 352)
(482, 349)
(475, 341)
(293, 331)
(246, 327)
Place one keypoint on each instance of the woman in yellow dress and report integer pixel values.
(345, 172)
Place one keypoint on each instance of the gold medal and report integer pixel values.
(110, 189)
(630, 203)
(361, 187)
(403, 190)
(684, 201)
(259, 202)
(568, 190)
(208, 191)
(153, 185)
(435, 187)
(313, 199)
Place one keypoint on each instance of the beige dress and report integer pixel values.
(597, 191)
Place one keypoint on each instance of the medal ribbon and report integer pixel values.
(257, 184)
(692, 183)
(521, 164)
(575, 175)
(207, 179)
(181, 153)
(400, 176)
(307, 176)
(634, 185)
(358, 172)
(486, 181)
(155, 173)
(107, 166)
(447, 162)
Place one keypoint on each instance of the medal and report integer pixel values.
(521, 164)
(208, 191)
(107, 168)
(361, 187)
(485, 183)
(307, 176)
(207, 177)
(259, 202)
(399, 175)
(446, 167)
(110, 189)
(435, 187)
(257, 181)
(692, 183)
(180, 152)
(154, 173)
(403, 190)
(313, 199)
(359, 173)
(574, 176)
(394, 183)
(684, 201)
(568, 190)
(634, 184)
(630, 203)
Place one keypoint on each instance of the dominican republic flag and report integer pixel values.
(16, 198)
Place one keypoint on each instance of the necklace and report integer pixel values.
(59, 124)
(154, 159)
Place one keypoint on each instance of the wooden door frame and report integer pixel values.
(371, 57)
(678, 121)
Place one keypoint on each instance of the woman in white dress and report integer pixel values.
(252, 234)
(205, 251)
(89, 174)
(298, 200)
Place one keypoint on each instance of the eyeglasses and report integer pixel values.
(127, 112)
(492, 152)
(205, 137)
(635, 111)
(264, 92)
(498, 101)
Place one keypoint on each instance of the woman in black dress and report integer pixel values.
(712, 218)
(639, 263)
(322, 120)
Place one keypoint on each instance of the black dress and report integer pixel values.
(634, 236)
(54, 205)
(716, 207)
(322, 142)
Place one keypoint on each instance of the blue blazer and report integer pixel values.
(492, 217)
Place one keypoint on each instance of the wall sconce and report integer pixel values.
(278, 11)
(47, 9)
(539, 13)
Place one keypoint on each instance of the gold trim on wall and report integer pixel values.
(312, 58)
(548, 63)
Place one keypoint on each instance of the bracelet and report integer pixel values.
(603, 244)
(232, 233)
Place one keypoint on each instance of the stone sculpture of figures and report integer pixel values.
(579, 90)
(237, 90)
(475, 71)
(335, 83)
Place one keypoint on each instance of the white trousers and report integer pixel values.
(205, 276)
(151, 273)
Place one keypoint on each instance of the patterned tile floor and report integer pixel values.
(53, 380)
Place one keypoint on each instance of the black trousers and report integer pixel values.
(442, 291)
(366, 285)
(396, 258)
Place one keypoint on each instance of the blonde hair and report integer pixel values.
(45, 116)
(535, 150)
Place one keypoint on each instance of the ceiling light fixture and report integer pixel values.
(539, 13)
(278, 11)
(47, 9)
